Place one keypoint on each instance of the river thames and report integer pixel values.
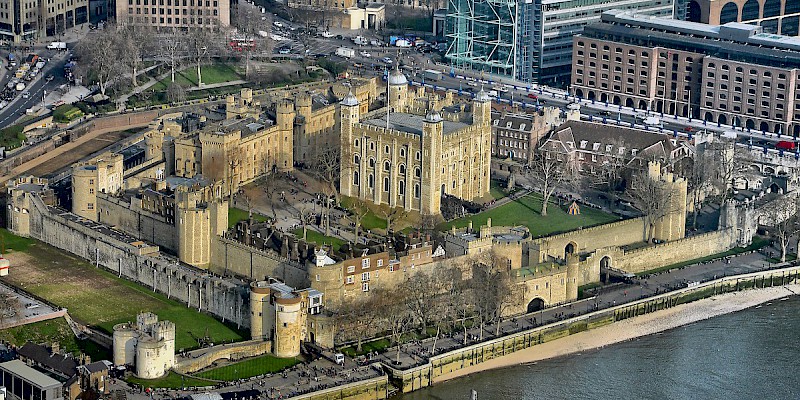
(750, 354)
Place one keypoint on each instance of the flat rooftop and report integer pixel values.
(411, 123)
(33, 376)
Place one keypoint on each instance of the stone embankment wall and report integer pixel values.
(199, 359)
(91, 241)
(422, 376)
(370, 389)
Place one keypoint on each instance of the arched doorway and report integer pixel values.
(570, 248)
(536, 305)
(605, 264)
(764, 126)
(592, 96)
(722, 119)
(709, 117)
(642, 105)
(617, 101)
(603, 97)
(750, 124)
(579, 93)
(629, 103)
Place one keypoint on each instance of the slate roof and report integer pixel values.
(59, 363)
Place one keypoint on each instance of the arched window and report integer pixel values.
(418, 156)
(401, 188)
(371, 162)
(417, 172)
(386, 184)
(355, 143)
(356, 159)
(355, 178)
(372, 145)
(371, 181)
(403, 151)
(402, 169)
(386, 149)
(387, 166)
(750, 10)
(772, 8)
(730, 13)
(416, 190)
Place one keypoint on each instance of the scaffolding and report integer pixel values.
(482, 35)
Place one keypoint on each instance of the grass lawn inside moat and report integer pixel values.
(527, 211)
(100, 299)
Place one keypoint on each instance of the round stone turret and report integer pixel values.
(350, 100)
(396, 78)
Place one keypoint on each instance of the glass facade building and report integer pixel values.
(528, 40)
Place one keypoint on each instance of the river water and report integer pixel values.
(751, 354)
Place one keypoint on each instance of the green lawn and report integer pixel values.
(497, 190)
(171, 381)
(50, 331)
(214, 73)
(319, 238)
(236, 214)
(526, 211)
(14, 242)
(98, 298)
(266, 364)
(370, 220)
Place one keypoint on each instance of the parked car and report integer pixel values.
(26, 94)
(532, 96)
(387, 60)
(365, 54)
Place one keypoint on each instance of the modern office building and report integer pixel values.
(186, 14)
(22, 21)
(25, 383)
(775, 16)
(733, 74)
(531, 40)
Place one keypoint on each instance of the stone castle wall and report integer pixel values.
(690, 248)
(587, 240)
(231, 257)
(203, 358)
(138, 223)
(144, 265)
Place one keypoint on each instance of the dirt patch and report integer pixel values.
(84, 150)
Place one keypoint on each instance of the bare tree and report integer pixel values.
(203, 43)
(784, 220)
(548, 173)
(249, 24)
(610, 172)
(392, 215)
(422, 292)
(304, 213)
(654, 199)
(135, 43)
(100, 58)
(325, 166)
(172, 49)
(360, 209)
(698, 173)
(175, 93)
(494, 290)
(395, 316)
(356, 319)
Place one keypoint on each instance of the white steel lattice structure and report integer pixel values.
(482, 35)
